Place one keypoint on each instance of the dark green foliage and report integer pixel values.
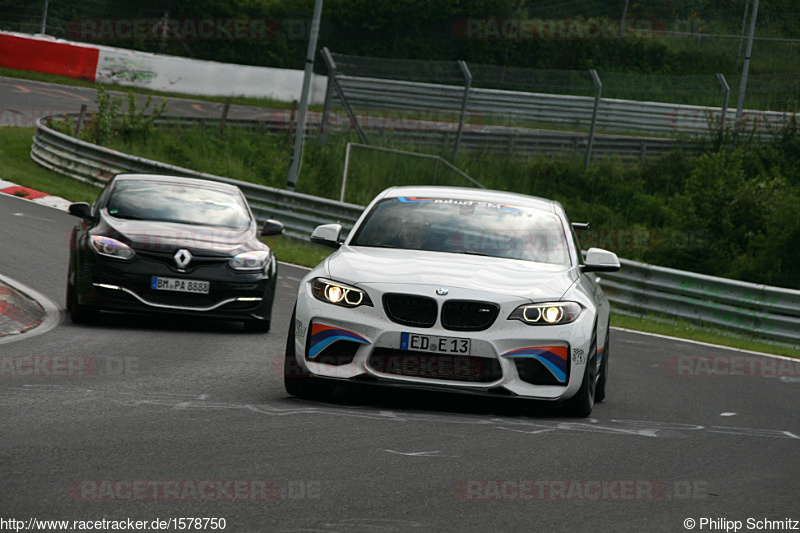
(730, 212)
(423, 29)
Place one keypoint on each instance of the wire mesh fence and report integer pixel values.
(765, 91)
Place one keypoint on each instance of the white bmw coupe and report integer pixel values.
(457, 289)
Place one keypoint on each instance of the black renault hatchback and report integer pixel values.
(154, 243)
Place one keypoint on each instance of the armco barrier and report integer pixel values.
(761, 310)
(93, 164)
(653, 118)
(770, 312)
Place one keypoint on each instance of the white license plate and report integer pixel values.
(434, 343)
(179, 285)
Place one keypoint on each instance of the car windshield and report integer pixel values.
(179, 203)
(465, 227)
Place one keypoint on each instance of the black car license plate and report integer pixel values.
(180, 285)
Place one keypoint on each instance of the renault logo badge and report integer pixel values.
(441, 292)
(182, 258)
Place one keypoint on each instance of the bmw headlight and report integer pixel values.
(545, 314)
(336, 293)
(255, 260)
(111, 247)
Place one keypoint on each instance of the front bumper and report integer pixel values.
(508, 358)
(128, 287)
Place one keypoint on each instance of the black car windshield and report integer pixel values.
(466, 227)
(177, 202)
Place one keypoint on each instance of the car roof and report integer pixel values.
(177, 180)
(471, 193)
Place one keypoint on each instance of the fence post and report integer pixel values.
(326, 54)
(344, 174)
(326, 108)
(224, 118)
(599, 86)
(79, 124)
(467, 84)
(726, 88)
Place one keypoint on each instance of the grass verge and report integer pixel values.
(688, 330)
(17, 166)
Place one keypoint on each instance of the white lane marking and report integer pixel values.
(727, 414)
(420, 454)
(33, 217)
(534, 432)
(787, 358)
(787, 379)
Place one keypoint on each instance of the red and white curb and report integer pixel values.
(22, 308)
(12, 189)
(18, 313)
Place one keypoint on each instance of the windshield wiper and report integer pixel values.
(482, 254)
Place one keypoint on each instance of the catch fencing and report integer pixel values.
(485, 98)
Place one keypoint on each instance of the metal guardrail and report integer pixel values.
(761, 310)
(94, 164)
(771, 312)
(652, 118)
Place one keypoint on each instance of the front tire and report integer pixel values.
(600, 391)
(79, 313)
(582, 403)
(296, 380)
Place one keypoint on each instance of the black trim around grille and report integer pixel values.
(468, 315)
(430, 365)
(410, 310)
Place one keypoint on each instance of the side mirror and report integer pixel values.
(82, 210)
(271, 227)
(599, 260)
(327, 235)
(580, 226)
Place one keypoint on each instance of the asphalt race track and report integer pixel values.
(23, 101)
(150, 418)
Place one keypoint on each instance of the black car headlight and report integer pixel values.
(109, 247)
(547, 314)
(341, 294)
(255, 260)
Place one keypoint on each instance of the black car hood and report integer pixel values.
(150, 235)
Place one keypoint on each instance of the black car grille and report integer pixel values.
(410, 310)
(168, 258)
(466, 315)
(446, 367)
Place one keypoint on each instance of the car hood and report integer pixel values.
(522, 279)
(167, 236)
